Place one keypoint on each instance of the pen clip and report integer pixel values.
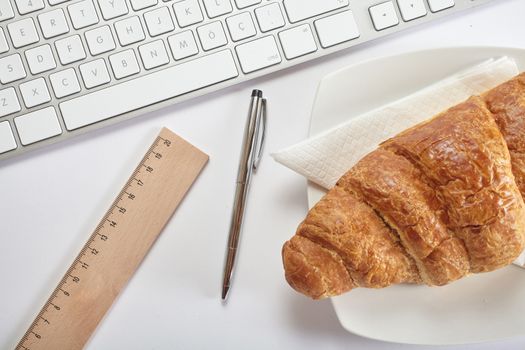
(260, 137)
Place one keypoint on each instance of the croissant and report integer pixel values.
(436, 203)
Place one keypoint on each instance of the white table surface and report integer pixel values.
(51, 199)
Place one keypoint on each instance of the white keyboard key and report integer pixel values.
(212, 36)
(384, 15)
(438, 5)
(298, 41)
(23, 32)
(336, 29)
(7, 140)
(183, 45)
(269, 17)
(148, 89)
(83, 14)
(53, 23)
(94, 73)
(4, 46)
(412, 9)
(159, 21)
(246, 3)
(8, 102)
(187, 12)
(38, 125)
(298, 10)
(64, 83)
(11, 69)
(124, 64)
(27, 6)
(154, 54)
(129, 31)
(56, 2)
(40, 59)
(6, 11)
(70, 49)
(241, 26)
(35, 92)
(100, 40)
(258, 54)
(142, 4)
(216, 8)
(112, 8)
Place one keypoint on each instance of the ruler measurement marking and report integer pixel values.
(103, 234)
(54, 295)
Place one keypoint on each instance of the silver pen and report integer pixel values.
(250, 159)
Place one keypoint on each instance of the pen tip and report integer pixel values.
(257, 93)
(225, 291)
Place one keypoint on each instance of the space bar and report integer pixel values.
(149, 89)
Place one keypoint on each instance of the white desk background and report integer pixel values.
(51, 199)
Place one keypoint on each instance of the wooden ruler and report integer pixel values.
(117, 246)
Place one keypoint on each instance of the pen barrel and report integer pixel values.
(241, 193)
(249, 142)
(246, 166)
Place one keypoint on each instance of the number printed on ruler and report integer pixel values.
(117, 246)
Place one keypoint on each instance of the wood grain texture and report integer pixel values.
(118, 245)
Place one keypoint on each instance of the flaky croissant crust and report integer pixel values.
(433, 204)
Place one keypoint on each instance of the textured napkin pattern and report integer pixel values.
(323, 159)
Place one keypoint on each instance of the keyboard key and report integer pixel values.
(384, 15)
(142, 4)
(53, 23)
(298, 41)
(269, 17)
(216, 8)
(148, 89)
(124, 64)
(298, 10)
(112, 8)
(100, 40)
(4, 46)
(7, 140)
(8, 102)
(6, 11)
(40, 59)
(38, 125)
(336, 29)
(183, 45)
(23, 32)
(438, 5)
(412, 9)
(129, 31)
(258, 54)
(83, 14)
(246, 3)
(64, 83)
(94, 73)
(27, 6)
(154, 54)
(159, 21)
(11, 69)
(70, 49)
(212, 36)
(187, 12)
(56, 2)
(241, 26)
(35, 92)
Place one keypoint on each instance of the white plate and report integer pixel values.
(476, 309)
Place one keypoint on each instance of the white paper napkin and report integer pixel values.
(323, 159)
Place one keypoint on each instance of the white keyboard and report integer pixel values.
(69, 66)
